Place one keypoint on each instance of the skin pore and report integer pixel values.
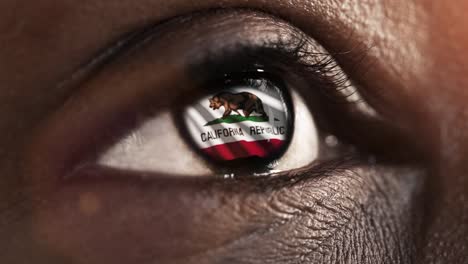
(384, 213)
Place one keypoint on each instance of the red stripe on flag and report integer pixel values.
(244, 149)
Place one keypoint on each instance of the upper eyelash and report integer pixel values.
(320, 68)
(339, 88)
(327, 66)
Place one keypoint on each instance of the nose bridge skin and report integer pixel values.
(446, 97)
(447, 188)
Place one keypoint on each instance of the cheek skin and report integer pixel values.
(321, 220)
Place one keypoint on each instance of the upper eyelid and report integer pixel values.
(276, 32)
(131, 42)
(134, 39)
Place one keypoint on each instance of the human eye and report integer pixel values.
(250, 123)
(268, 101)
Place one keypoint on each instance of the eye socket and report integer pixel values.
(245, 116)
(129, 115)
(251, 125)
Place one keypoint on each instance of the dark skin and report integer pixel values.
(397, 212)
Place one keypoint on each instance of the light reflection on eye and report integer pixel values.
(253, 124)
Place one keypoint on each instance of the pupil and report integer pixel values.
(244, 120)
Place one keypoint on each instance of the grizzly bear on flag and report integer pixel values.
(247, 102)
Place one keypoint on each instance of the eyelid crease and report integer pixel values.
(124, 44)
(132, 40)
(99, 60)
(127, 42)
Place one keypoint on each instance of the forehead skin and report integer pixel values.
(418, 79)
